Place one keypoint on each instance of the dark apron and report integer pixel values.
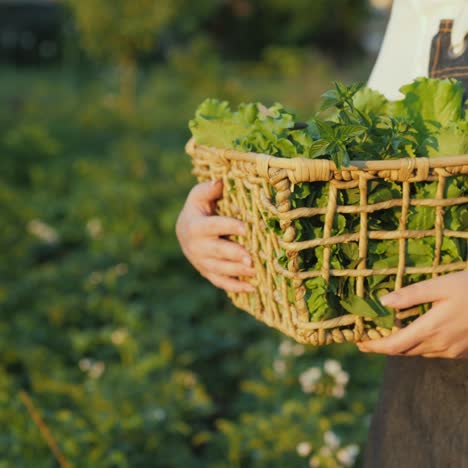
(421, 420)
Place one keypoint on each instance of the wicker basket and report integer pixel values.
(256, 177)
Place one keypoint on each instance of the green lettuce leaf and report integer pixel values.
(452, 140)
(431, 100)
(370, 101)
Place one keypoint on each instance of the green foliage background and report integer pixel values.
(132, 359)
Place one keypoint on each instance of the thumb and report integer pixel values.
(207, 192)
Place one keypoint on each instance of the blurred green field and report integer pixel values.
(132, 359)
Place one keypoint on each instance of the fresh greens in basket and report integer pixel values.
(429, 121)
(357, 123)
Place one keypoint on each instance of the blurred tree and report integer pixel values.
(246, 27)
(131, 357)
(118, 30)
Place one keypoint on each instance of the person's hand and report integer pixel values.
(440, 332)
(199, 232)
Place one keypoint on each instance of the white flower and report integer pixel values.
(120, 269)
(342, 378)
(309, 378)
(119, 336)
(94, 228)
(158, 414)
(95, 278)
(308, 387)
(325, 452)
(338, 391)
(332, 367)
(288, 348)
(85, 364)
(353, 449)
(285, 348)
(331, 440)
(298, 349)
(311, 375)
(97, 370)
(279, 366)
(94, 368)
(347, 455)
(314, 462)
(303, 449)
(43, 231)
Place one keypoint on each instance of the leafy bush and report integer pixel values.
(130, 357)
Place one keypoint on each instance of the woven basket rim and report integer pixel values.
(327, 165)
(257, 171)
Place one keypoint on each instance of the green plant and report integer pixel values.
(363, 126)
(130, 357)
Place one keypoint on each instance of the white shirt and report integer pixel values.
(405, 52)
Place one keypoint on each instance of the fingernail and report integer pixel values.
(242, 230)
(215, 182)
(388, 299)
(247, 261)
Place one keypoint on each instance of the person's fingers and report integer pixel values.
(230, 284)
(431, 290)
(403, 340)
(215, 226)
(434, 355)
(439, 348)
(420, 349)
(392, 345)
(446, 355)
(206, 192)
(224, 249)
(225, 268)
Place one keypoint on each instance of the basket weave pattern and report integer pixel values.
(258, 186)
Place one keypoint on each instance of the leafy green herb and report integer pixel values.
(357, 123)
(370, 308)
